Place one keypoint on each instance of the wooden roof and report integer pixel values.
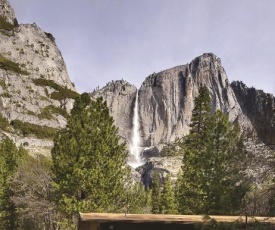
(121, 217)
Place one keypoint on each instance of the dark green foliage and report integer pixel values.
(167, 199)
(7, 64)
(171, 149)
(89, 163)
(4, 124)
(27, 128)
(156, 194)
(60, 93)
(138, 199)
(4, 25)
(48, 111)
(9, 158)
(3, 84)
(210, 223)
(191, 194)
(201, 113)
(212, 180)
(81, 103)
(6, 94)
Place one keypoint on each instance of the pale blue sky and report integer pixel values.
(104, 40)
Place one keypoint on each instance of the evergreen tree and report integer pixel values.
(191, 194)
(224, 167)
(138, 199)
(89, 161)
(156, 194)
(212, 176)
(168, 204)
(9, 158)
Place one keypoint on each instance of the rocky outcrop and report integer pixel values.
(167, 98)
(162, 166)
(34, 83)
(166, 101)
(259, 107)
(7, 12)
(120, 97)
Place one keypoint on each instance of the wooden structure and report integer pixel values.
(115, 221)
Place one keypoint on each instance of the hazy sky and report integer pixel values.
(104, 40)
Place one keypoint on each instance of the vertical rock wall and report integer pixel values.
(120, 97)
(259, 107)
(167, 98)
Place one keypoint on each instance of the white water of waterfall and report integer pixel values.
(135, 150)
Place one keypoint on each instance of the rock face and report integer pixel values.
(166, 101)
(167, 98)
(34, 83)
(259, 107)
(120, 97)
(162, 166)
(7, 12)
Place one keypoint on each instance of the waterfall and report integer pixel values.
(135, 157)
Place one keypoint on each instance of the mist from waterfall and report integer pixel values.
(135, 150)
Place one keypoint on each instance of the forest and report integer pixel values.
(88, 172)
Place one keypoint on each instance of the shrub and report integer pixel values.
(4, 25)
(7, 64)
(3, 84)
(4, 124)
(6, 94)
(60, 94)
(47, 112)
(27, 128)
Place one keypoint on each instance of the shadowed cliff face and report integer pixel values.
(167, 98)
(259, 107)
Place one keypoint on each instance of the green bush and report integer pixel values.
(4, 25)
(37, 130)
(6, 94)
(7, 64)
(46, 113)
(60, 94)
(3, 84)
(4, 124)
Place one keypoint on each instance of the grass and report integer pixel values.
(7, 64)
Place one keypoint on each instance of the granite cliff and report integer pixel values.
(166, 101)
(259, 107)
(35, 88)
(36, 94)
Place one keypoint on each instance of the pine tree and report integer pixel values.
(89, 161)
(224, 167)
(168, 204)
(138, 199)
(212, 177)
(191, 195)
(9, 158)
(156, 194)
